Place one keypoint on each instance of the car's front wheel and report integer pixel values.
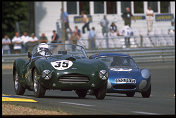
(100, 93)
(39, 90)
(81, 93)
(146, 94)
(19, 89)
(130, 94)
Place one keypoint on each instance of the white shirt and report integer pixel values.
(149, 17)
(17, 46)
(33, 39)
(85, 19)
(6, 46)
(25, 39)
(104, 22)
(127, 31)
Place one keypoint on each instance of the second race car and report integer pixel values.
(124, 75)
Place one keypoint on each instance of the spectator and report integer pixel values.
(104, 24)
(25, 39)
(43, 39)
(86, 22)
(127, 16)
(17, 41)
(114, 30)
(91, 37)
(127, 33)
(66, 23)
(55, 38)
(6, 45)
(171, 29)
(149, 18)
(76, 35)
(66, 20)
(33, 40)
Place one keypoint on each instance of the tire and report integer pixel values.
(146, 94)
(81, 93)
(39, 90)
(130, 94)
(19, 89)
(100, 93)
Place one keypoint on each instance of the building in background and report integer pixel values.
(47, 14)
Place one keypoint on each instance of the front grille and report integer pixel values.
(124, 86)
(73, 78)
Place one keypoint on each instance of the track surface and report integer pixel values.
(161, 102)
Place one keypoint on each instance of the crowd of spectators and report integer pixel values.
(24, 43)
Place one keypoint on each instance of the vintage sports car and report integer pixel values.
(124, 75)
(63, 67)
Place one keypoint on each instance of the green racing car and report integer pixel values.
(62, 67)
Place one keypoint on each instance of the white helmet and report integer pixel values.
(42, 48)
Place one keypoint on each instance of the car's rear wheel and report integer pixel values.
(81, 93)
(130, 94)
(100, 93)
(146, 94)
(19, 89)
(39, 90)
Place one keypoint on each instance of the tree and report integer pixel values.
(13, 12)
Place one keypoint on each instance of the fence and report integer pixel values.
(140, 55)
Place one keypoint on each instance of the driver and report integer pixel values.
(116, 61)
(43, 49)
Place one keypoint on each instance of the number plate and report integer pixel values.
(62, 64)
(125, 80)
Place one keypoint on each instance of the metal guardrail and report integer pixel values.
(140, 55)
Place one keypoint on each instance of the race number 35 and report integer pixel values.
(62, 64)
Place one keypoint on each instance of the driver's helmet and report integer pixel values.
(42, 48)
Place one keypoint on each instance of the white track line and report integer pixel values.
(77, 104)
(146, 113)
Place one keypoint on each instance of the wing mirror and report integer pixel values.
(29, 55)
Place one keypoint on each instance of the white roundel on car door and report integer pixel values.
(62, 64)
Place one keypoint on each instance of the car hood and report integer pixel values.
(74, 64)
(115, 73)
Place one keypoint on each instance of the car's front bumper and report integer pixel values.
(72, 81)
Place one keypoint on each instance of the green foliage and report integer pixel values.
(13, 12)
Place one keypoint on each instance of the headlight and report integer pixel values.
(145, 73)
(46, 74)
(103, 74)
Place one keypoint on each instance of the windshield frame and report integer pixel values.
(82, 49)
(109, 65)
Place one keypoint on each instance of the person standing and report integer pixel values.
(33, 40)
(6, 45)
(127, 33)
(86, 22)
(127, 16)
(66, 20)
(149, 18)
(55, 37)
(75, 37)
(104, 24)
(25, 39)
(91, 37)
(66, 23)
(43, 38)
(17, 41)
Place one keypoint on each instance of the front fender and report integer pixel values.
(41, 65)
(146, 79)
(20, 65)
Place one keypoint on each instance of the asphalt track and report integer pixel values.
(161, 102)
